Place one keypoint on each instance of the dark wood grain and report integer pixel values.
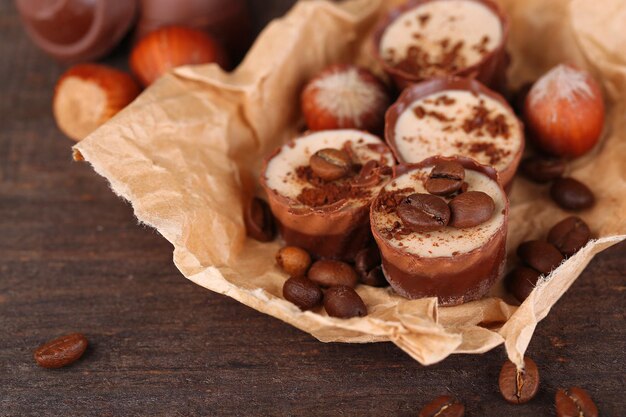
(73, 258)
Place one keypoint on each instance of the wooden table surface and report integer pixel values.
(73, 258)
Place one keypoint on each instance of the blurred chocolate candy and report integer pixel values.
(77, 30)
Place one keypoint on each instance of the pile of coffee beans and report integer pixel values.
(539, 258)
(329, 282)
(421, 212)
(567, 193)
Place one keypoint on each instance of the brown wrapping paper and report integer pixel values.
(188, 151)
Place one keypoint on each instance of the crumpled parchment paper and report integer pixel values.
(188, 152)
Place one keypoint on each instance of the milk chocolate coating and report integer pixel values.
(436, 85)
(77, 30)
(452, 279)
(490, 70)
(335, 231)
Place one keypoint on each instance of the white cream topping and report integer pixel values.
(447, 241)
(433, 22)
(281, 169)
(419, 138)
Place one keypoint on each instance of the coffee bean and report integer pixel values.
(445, 178)
(343, 302)
(328, 273)
(330, 164)
(259, 220)
(367, 265)
(542, 169)
(293, 260)
(569, 235)
(540, 255)
(571, 194)
(470, 209)
(61, 351)
(521, 281)
(574, 402)
(423, 212)
(444, 406)
(375, 278)
(519, 387)
(302, 292)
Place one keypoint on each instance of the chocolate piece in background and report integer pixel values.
(490, 70)
(77, 30)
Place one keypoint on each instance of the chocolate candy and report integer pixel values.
(77, 30)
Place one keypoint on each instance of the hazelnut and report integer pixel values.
(565, 112)
(345, 97)
(293, 260)
(87, 95)
(172, 47)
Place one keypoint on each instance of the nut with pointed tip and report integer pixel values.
(171, 47)
(87, 95)
(345, 97)
(565, 112)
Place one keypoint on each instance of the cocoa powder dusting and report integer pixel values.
(481, 119)
(425, 64)
(387, 201)
(423, 19)
(357, 185)
(494, 153)
(420, 112)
